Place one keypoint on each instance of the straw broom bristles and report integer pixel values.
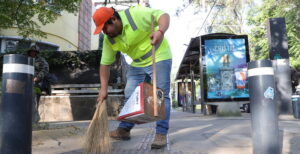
(97, 138)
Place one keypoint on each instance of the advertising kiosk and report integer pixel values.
(223, 62)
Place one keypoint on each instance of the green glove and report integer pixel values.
(37, 90)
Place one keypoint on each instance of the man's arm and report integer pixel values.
(163, 24)
(104, 72)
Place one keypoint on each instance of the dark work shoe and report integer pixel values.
(160, 141)
(120, 134)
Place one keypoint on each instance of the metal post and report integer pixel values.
(265, 132)
(203, 104)
(278, 46)
(193, 92)
(16, 105)
(183, 96)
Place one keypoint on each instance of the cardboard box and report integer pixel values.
(139, 108)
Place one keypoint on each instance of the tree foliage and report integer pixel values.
(70, 59)
(289, 9)
(229, 16)
(29, 15)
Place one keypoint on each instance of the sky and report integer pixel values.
(182, 28)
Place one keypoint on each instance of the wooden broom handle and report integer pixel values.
(154, 73)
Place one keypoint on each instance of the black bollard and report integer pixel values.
(265, 132)
(16, 105)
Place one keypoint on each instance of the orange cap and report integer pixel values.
(101, 16)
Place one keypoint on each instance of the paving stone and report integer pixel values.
(188, 134)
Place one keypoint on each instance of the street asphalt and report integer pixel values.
(189, 134)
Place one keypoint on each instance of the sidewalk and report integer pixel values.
(189, 133)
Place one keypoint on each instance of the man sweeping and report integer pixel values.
(129, 32)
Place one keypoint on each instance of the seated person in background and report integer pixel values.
(41, 69)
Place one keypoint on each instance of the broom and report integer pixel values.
(97, 137)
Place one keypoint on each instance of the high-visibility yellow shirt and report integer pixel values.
(136, 43)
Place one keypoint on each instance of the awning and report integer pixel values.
(190, 61)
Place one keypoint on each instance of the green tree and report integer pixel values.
(29, 15)
(227, 16)
(230, 16)
(289, 9)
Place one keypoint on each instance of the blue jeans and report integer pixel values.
(136, 75)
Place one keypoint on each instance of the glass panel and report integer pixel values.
(11, 45)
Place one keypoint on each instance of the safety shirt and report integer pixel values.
(135, 38)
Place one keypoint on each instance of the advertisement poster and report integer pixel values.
(225, 69)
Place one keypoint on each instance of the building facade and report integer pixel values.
(70, 32)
